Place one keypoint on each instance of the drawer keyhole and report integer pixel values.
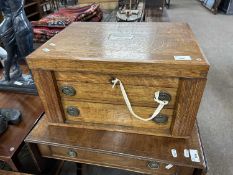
(68, 90)
(71, 153)
(153, 165)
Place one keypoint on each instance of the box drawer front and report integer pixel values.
(98, 88)
(107, 159)
(117, 117)
(98, 78)
(104, 93)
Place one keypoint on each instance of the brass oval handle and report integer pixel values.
(161, 119)
(73, 111)
(164, 96)
(71, 153)
(153, 165)
(68, 90)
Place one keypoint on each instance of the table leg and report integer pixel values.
(39, 161)
(79, 168)
(44, 165)
(11, 163)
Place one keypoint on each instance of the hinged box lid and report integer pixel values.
(163, 49)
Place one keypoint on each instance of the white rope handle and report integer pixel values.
(156, 99)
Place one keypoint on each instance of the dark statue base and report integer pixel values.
(23, 84)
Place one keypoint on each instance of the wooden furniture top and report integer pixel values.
(2, 172)
(31, 109)
(118, 143)
(119, 44)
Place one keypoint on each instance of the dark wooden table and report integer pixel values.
(2, 172)
(115, 149)
(13, 139)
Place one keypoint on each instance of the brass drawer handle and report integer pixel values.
(71, 153)
(73, 111)
(153, 165)
(164, 96)
(68, 90)
(161, 119)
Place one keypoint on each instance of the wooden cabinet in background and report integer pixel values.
(154, 8)
(104, 4)
(32, 9)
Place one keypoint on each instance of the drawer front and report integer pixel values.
(104, 93)
(107, 159)
(140, 91)
(98, 78)
(113, 117)
(98, 88)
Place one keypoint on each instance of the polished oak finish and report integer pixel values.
(48, 93)
(74, 71)
(133, 152)
(2, 172)
(13, 139)
(115, 117)
(193, 89)
(103, 93)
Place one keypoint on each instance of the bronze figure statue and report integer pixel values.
(17, 38)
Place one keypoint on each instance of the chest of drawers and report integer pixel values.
(145, 78)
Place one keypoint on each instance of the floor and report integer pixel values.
(215, 117)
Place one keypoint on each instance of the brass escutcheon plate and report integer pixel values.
(153, 165)
(164, 96)
(73, 111)
(72, 153)
(161, 119)
(68, 90)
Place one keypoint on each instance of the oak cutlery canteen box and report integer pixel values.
(145, 78)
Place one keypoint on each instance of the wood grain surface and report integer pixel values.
(117, 118)
(48, 92)
(2, 172)
(31, 109)
(188, 101)
(135, 48)
(138, 95)
(107, 160)
(55, 141)
(86, 56)
(99, 78)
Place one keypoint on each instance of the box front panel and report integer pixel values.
(89, 100)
